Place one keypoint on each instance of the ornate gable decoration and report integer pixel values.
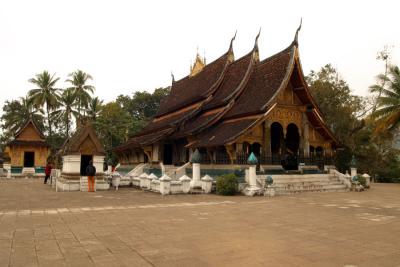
(84, 141)
(29, 132)
(198, 65)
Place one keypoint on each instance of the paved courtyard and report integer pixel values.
(39, 227)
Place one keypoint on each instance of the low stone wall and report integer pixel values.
(62, 184)
(166, 186)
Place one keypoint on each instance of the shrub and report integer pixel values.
(227, 185)
(361, 180)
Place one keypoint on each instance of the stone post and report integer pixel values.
(196, 158)
(353, 168)
(185, 180)
(7, 167)
(347, 176)
(353, 172)
(143, 180)
(252, 188)
(270, 189)
(206, 184)
(165, 185)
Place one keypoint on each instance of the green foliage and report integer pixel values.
(94, 107)
(46, 94)
(339, 106)
(112, 125)
(227, 185)
(15, 114)
(387, 115)
(142, 107)
(342, 112)
(78, 80)
(64, 114)
(361, 180)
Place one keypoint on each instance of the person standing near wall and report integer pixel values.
(47, 172)
(91, 172)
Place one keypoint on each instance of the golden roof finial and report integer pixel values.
(198, 64)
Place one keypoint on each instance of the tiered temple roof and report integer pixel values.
(227, 98)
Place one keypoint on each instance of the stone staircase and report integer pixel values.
(175, 172)
(297, 183)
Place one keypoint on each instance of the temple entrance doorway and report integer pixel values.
(29, 159)
(277, 138)
(85, 160)
(167, 154)
(256, 149)
(292, 139)
(292, 142)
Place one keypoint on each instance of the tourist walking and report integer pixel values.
(91, 172)
(47, 172)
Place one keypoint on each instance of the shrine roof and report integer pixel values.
(73, 144)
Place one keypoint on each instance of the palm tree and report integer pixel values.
(78, 80)
(387, 114)
(67, 109)
(15, 114)
(46, 94)
(94, 108)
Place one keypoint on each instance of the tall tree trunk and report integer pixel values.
(49, 122)
(67, 124)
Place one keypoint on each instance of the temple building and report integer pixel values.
(231, 107)
(77, 152)
(28, 152)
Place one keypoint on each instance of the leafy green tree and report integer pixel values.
(16, 113)
(94, 108)
(142, 106)
(334, 98)
(78, 79)
(45, 95)
(342, 112)
(387, 114)
(112, 126)
(67, 110)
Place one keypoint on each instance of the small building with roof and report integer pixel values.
(77, 151)
(27, 153)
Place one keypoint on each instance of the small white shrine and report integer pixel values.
(76, 153)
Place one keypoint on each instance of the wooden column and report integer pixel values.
(267, 138)
(306, 136)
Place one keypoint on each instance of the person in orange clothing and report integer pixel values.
(91, 172)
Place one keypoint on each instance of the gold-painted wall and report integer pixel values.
(17, 155)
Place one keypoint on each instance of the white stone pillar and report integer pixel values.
(252, 176)
(185, 180)
(7, 167)
(353, 172)
(143, 180)
(252, 189)
(196, 182)
(165, 185)
(206, 184)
